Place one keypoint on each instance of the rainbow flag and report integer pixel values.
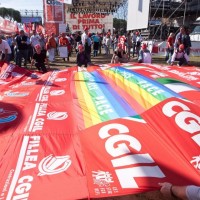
(114, 93)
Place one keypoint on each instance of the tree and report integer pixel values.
(120, 22)
(11, 14)
(119, 25)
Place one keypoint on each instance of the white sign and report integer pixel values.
(95, 22)
(62, 28)
(138, 13)
(160, 48)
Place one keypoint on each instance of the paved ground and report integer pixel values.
(103, 59)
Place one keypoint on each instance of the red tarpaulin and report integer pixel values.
(109, 131)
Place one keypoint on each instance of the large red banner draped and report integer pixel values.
(47, 151)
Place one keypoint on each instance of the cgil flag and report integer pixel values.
(138, 12)
(108, 131)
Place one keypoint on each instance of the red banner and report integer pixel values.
(44, 154)
(53, 16)
(7, 26)
(135, 157)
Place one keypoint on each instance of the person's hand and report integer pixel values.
(166, 189)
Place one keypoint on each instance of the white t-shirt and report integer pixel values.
(83, 38)
(4, 45)
(193, 192)
(146, 57)
(35, 40)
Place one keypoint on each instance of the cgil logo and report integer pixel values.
(60, 79)
(57, 92)
(24, 83)
(184, 118)
(53, 165)
(27, 160)
(57, 115)
(120, 146)
(24, 175)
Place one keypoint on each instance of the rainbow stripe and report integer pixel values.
(103, 95)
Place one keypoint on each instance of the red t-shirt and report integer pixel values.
(170, 42)
(63, 41)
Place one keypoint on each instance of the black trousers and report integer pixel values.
(41, 66)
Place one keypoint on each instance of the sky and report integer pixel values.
(22, 4)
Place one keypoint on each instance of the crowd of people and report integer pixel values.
(40, 49)
(178, 47)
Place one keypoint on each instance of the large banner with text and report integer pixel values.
(53, 16)
(95, 22)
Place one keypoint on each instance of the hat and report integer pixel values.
(80, 46)
(181, 46)
(37, 47)
(144, 46)
(86, 29)
(137, 33)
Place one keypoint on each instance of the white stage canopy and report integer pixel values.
(138, 14)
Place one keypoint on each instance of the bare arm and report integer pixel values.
(172, 192)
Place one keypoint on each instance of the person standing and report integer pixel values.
(170, 47)
(107, 44)
(187, 41)
(84, 36)
(134, 36)
(96, 40)
(63, 46)
(34, 40)
(179, 37)
(51, 47)
(10, 41)
(139, 40)
(43, 42)
(78, 40)
(21, 48)
(5, 50)
(86, 42)
(129, 44)
(115, 41)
